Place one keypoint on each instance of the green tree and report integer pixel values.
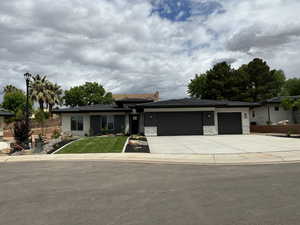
(38, 90)
(291, 87)
(221, 82)
(251, 82)
(45, 93)
(41, 117)
(14, 101)
(263, 83)
(10, 88)
(197, 87)
(88, 94)
(54, 95)
(289, 103)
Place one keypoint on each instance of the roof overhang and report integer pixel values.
(59, 111)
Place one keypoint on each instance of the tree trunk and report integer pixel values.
(41, 103)
(50, 109)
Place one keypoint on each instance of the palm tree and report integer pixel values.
(38, 90)
(54, 95)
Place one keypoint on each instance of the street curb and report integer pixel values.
(135, 159)
(155, 162)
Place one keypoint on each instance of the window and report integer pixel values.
(110, 122)
(276, 108)
(103, 122)
(107, 122)
(77, 123)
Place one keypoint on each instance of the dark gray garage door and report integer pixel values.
(179, 123)
(230, 123)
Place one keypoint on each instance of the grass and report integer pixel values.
(95, 145)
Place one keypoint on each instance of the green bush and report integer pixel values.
(56, 134)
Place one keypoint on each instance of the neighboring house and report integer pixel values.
(151, 96)
(3, 114)
(271, 110)
(187, 116)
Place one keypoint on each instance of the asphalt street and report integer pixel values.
(108, 193)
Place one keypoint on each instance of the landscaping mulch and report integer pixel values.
(137, 144)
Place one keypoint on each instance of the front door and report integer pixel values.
(134, 124)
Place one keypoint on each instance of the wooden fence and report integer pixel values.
(49, 127)
(293, 128)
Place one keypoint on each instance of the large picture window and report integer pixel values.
(76, 123)
(107, 122)
(110, 122)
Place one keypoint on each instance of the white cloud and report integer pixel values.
(120, 44)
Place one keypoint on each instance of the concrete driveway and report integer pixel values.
(221, 144)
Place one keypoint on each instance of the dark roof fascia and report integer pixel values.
(89, 111)
(6, 113)
(178, 106)
(235, 106)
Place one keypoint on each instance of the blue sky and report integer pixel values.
(183, 10)
(140, 46)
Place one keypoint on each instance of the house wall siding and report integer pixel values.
(1, 126)
(66, 123)
(261, 114)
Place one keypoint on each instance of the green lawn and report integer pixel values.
(96, 145)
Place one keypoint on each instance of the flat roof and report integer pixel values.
(4, 112)
(92, 108)
(195, 102)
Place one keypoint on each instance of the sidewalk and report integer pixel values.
(199, 159)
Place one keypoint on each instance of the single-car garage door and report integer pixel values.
(230, 123)
(179, 123)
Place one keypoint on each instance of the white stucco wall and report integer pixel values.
(1, 126)
(66, 122)
(261, 114)
(151, 131)
(210, 130)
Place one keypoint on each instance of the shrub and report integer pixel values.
(56, 134)
(22, 132)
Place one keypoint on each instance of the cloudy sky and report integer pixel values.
(139, 46)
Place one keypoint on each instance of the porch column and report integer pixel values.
(127, 124)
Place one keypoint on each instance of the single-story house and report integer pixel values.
(189, 116)
(3, 114)
(272, 112)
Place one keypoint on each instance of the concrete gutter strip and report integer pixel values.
(125, 145)
(197, 159)
(65, 146)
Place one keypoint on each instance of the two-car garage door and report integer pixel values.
(191, 123)
(179, 123)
